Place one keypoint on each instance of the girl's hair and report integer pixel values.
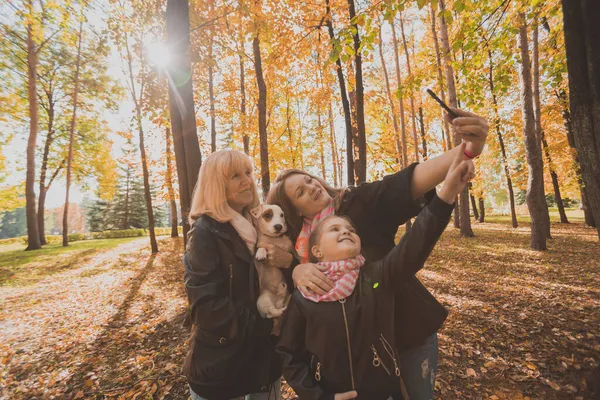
(278, 197)
(210, 196)
(315, 236)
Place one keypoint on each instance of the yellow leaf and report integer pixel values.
(153, 389)
(531, 366)
(471, 372)
(89, 382)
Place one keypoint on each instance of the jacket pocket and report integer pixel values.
(386, 358)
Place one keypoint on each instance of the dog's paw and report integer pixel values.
(261, 254)
(276, 313)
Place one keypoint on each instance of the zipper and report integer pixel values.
(390, 350)
(377, 361)
(342, 301)
(231, 281)
(317, 368)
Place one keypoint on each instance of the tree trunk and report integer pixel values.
(361, 166)
(211, 93)
(43, 170)
(538, 118)
(411, 94)
(400, 160)
(33, 236)
(245, 138)
(138, 114)
(511, 194)
(557, 196)
(473, 204)
(445, 127)
(169, 181)
(181, 106)
(65, 230)
(345, 101)
(333, 145)
(424, 142)
(481, 210)
(262, 116)
(462, 202)
(535, 186)
(400, 97)
(583, 64)
(564, 101)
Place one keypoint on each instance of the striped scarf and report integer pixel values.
(307, 228)
(343, 274)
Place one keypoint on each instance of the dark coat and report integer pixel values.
(231, 349)
(333, 347)
(377, 209)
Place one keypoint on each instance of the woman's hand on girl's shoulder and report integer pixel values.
(310, 278)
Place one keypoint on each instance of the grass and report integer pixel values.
(573, 215)
(19, 267)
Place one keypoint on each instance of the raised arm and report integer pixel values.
(469, 127)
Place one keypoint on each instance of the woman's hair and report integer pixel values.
(278, 197)
(315, 236)
(210, 192)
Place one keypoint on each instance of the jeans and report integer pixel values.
(273, 394)
(419, 366)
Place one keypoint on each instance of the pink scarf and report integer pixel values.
(343, 274)
(307, 228)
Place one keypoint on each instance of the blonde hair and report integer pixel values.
(210, 195)
(278, 197)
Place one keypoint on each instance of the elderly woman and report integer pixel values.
(231, 350)
(377, 209)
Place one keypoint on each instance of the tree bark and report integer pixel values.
(411, 94)
(33, 236)
(557, 196)
(361, 163)
(539, 133)
(65, 230)
(333, 145)
(345, 101)
(583, 64)
(473, 204)
(481, 210)
(445, 126)
(169, 181)
(564, 101)
(211, 92)
(245, 138)
(400, 97)
(262, 115)
(138, 114)
(181, 106)
(44, 169)
(535, 186)
(423, 140)
(462, 203)
(399, 158)
(511, 194)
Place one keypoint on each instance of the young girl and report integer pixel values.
(340, 345)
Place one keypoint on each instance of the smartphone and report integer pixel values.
(441, 103)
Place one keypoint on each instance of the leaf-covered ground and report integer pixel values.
(522, 323)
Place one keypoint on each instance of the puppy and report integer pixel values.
(270, 226)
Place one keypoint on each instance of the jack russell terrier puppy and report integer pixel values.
(271, 227)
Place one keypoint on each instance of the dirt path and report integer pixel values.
(109, 327)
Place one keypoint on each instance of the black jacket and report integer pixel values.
(377, 209)
(333, 347)
(231, 349)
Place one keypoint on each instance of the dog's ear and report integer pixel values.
(256, 211)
